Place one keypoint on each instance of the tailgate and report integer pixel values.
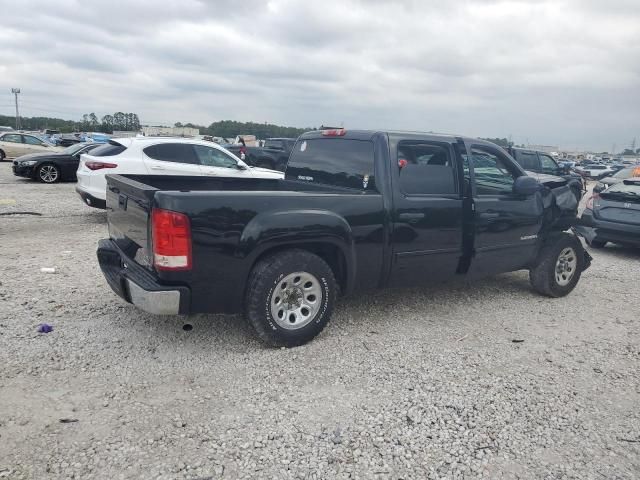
(128, 210)
(619, 211)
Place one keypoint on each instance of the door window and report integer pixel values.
(425, 168)
(494, 175)
(549, 165)
(12, 138)
(172, 152)
(528, 161)
(29, 140)
(212, 157)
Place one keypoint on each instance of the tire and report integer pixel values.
(554, 275)
(48, 173)
(2, 156)
(596, 243)
(275, 298)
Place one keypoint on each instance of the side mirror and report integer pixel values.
(525, 185)
(242, 165)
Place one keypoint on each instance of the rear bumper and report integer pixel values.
(599, 230)
(91, 200)
(138, 286)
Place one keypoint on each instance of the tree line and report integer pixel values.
(231, 128)
(121, 121)
(89, 123)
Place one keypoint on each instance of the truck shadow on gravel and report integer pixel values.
(353, 315)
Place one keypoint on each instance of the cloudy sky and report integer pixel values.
(560, 72)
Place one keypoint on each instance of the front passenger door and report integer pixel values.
(217, 163)
(506, 225)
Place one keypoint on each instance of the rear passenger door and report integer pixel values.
(506, 225)
(428, 211)
(171, 159)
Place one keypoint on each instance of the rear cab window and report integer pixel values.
(340, 162)
(528, 161)
(109, 149)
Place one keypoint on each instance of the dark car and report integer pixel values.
(613, 215)
(357, 210)
(617, 177)
(66, 140)
(274, 155)
(541, 163)
(52, 167)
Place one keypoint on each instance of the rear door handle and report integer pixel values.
(489, 215)
(157, 167)
(411, 217)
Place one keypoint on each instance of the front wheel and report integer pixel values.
(2, 156)
(290, 297)
(558, 266)
(48, 173)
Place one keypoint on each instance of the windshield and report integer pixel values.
(628, 173)
(73, 148)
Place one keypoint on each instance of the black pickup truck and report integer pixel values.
(356, 210)
(542, 165)
(273, 155)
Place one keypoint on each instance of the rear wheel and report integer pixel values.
(2, 156)
(559, 266)
(290, 297)
(48, 173)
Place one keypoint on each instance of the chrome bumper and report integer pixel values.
(166, 302)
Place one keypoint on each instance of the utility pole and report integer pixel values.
(16, 91)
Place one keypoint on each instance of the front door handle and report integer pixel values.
(157, 167)
(489, 215)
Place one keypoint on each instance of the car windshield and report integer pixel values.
(73, 149)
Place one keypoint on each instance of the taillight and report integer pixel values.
(91, 165)
(171, 240)
(336, 132)
(589, 204)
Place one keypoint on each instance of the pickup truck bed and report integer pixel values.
(356, 211)
(228, 237)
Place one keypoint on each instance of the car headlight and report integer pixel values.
(28, 163)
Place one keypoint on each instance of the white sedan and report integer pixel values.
(16, 144)
(158, 156)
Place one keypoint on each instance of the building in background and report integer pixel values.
(544, 148)
(159, 131)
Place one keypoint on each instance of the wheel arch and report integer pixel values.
(322, 233)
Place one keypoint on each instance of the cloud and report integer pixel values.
(557, 72)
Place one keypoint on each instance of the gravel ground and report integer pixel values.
(485, 380)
